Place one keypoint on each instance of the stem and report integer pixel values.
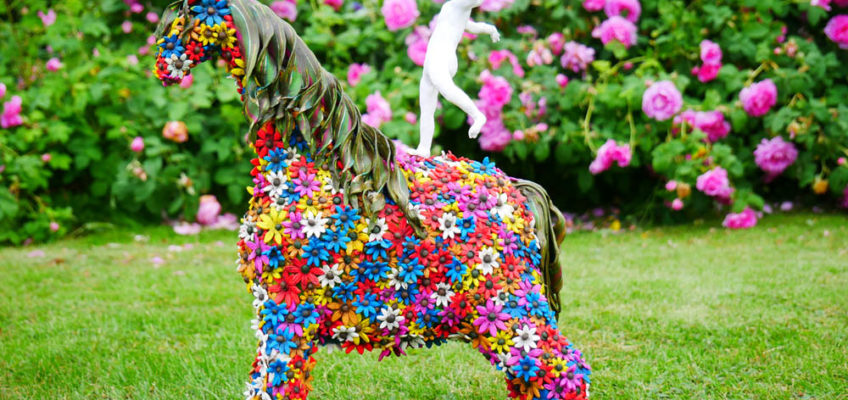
(586, 122)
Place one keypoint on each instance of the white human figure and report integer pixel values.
(440, 65)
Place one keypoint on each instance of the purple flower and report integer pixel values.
(293, 227)
(399, 14)
(775, 155)
(257, 247)
(615, 7)
(743, 220)
(758, 98)
(576, 56)
(837, 30)
(491, 318)
(616, 28)
(661, 101)
(307, 185)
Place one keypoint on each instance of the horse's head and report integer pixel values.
(191, 32)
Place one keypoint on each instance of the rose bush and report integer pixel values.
(742, 100)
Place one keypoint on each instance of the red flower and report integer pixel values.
(301, 274)
(194, 50)
(284, 292)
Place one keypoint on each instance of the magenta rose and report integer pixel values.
(355, 72)
(758, 98)
(837, 30)
(715, 183)
(137, 144)
(336, 4)
(286, 9)
(378, 107)
(775, 155)
(416, 43)
(710, 52)
(494, 136)
(495, 5)
(399, 14)
(744, 220)
(616, 28)
(11, 116)
(631, 9)
(713, 124)
(594, 5)
(707, 72)
(576, 56)
(661, 101)
(610, 153)
(495, 91)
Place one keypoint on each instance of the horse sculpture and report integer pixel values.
(349, 243)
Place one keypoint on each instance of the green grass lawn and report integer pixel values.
(688, 312)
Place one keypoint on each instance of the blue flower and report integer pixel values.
(428, 317)
(211, 12)
(276, 160)
(484, 167)
(374, 271)
(455, 270)
(314, 252)
(407, 295)
(526, 368)
(378, 248)
(367, 305)
(274, 313)
(275, 257)
(281, 340)
(305, 314)
(410, 271)
(172, 45)
(512, 308)
(335, 240)
(466, 226)
(344, 291)
(409, 245)
(534, 304)
(279, 369)
(346, 219)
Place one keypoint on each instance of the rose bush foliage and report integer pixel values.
(605, 102)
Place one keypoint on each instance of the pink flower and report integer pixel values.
(208, 210)
(355, 72)
(47, 19)
(491, 318)
(53, 64)
(497, 57)
(137, 144)
(775, 155)
(821, 3)
(593, 5)
(11, 116)
(226, 221)
(610, 153)
(46, 157)
(616, 28)
(495, 136)
(671, 186)
(411, 117)
(758, 98)
(841, 161)
(837, 30)
(286, 9)
(152, 17)
(845, 197)
(379, 110)
(677, 204)
(661, 101)
(715, 183)
(495, 91)
(562, 80)
(556, 41)
(576, 56)
(185, 228)
(416, 43)
(187, 81)
(710, 52)
(399, 14)
(744, 220)
(540, 55)
(614, 8)
(176, 131)
(495, 5)
(126, 26)
(336, 4)
(518, 135)
(2, 90)
(713, 124)
(132, 59)
(54, 226)
(707, 72)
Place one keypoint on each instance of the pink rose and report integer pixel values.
(411, 117)
(610, 153)
(710, 52)
(497, 57)
(715, 183)
(614, 8)
(540, 55)
(46, 157)
(556, 41)
(175, 131)
(137, 144)
(355, 72)
(54, 226)
(593, 5)
(126, 26)
(744, 220)
(379, 110)
(495, 5)
(152, 17)
(713, 124)
(661, 101)
(416, 43)
(399, 14)
(208, 210)
(758, 98)
(775, 155)
(495, 137)
(837, 30)
(2, 90)
(53, 64)
(11, 116)
(187, 81)
(616, 28)
(132, 59)
(336, 4)
(677, 204)
(707, 72)
(286, 9)
(495, 91)
(185, 228)
(47, 19)
(841, 161)
(821, 3)
(562, 80)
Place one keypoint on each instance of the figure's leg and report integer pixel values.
(427, 124)
(443, 82)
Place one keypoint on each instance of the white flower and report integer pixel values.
(442, 295)
(394, 279)
(415, 209)
(276, 183)
(500, 298)
(411, 341)
(177, 66)
(447, 224)
(247, 229)
(488, 260)
(259, 294)
(526, 338)
(503, 208)
(389, 318)
(331, 276)
(376, 231)
(250, 392)
(314, 225)
(345, 333)
(292, 155)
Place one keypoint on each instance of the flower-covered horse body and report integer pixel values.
(348, 244)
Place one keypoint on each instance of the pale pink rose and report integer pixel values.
(95, 52)
(713, 124)
(744, 220)
(336, 4)
(416, 43)
(137, 144)
(710, 52)
(527, 30)
(48, 18)
(715, 183)
(495, 5)
(411, 117)
(226, 221)
(286, 9)
(378, 107)
(518, 135)
(144, 50)
(618, 29)
(631, 8)
(54, 226)
(775, 155)
(371, 120)
(495, 91)
(837, 30)
(126, 26)
(355, 72)
(53, 64)
(399, 14)
(186, 228)
(677, 204)
(661, 101)
(11, 116)
(821, 3)
(610, 153)
(187, 81)
(556, 41)
(540, 55)
(707, 72)
(151, 40)
(671, 186)
(576, 56)
(152, 17)
(208, 210)
(2, 90)
(758, 98)
(46, 157)
(495, 138)
(176, 131)
(562, 80)
(132, 59)
(594, 5)
(136, 8)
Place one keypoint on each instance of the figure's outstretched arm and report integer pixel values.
(482, 28)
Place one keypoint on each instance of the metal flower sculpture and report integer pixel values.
(349, 243)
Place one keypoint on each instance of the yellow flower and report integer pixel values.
(205, 34)
(226, 36)
(272, 223)
(501, 342)
(177, 26)
(237, 68)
